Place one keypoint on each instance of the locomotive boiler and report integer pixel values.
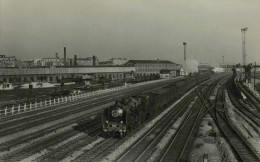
(125, 115)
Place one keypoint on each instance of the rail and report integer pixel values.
(240, 145)
(16, 109)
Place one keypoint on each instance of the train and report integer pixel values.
(128, 113)
(59, 91)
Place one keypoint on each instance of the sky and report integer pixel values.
(134, 29)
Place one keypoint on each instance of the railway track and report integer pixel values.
(98, 155)
(83, 139)
(239, 144)
(144, 146)
(254, 101)
(37, 142)
(141, 149)
(182, 140)
(25, 121)
(52, 108)
(243, 109)
(94, 153)
(22, 147)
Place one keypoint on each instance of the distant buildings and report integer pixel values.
(87, 61)
(148, 67)
(167, 73)
(49, 62)
(54, 69)
(204, 67)
(113, 62)
(106, 63)
(118, 61)
(7, 61)
(54, 74)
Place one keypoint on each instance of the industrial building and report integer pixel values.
(7, 61)
(53, 74)
(148, 67)
(205, 67)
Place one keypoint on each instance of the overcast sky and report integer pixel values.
(135, 29)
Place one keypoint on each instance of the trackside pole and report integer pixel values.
(254, 75)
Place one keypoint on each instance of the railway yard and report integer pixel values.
(213, 118)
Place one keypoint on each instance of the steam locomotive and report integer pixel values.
(128, 113)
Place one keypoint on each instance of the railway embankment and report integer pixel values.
(242, 126)
(211, 143)
(255, 89)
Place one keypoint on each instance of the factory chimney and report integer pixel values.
(94, 60)
(75, 60)
(184, 44)
(57, 55)
(185, 63)
(65, 57)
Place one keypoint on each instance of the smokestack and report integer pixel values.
(65, 57)
(75, 60)
(94, 60)
(185, 64)
(57, 55)
(184, 44)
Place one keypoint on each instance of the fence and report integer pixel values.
(51, 102)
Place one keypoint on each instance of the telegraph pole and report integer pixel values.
(243, 30)
(223, 60)
(254, 75)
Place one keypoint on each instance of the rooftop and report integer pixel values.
(151, 61)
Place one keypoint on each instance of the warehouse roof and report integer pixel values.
(151, 62)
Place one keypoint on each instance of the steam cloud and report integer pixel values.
(191, 66)
(218, 70)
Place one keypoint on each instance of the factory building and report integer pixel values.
(118, 61)
(87, 61)
(51, 62)
(53, 74)
(148, 67)
(7, 61)
(204, 67)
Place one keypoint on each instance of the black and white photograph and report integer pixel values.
(129, 80)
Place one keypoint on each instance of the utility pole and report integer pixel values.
(243, 30)
(254, 75)
(184, 44)
(223, 59)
